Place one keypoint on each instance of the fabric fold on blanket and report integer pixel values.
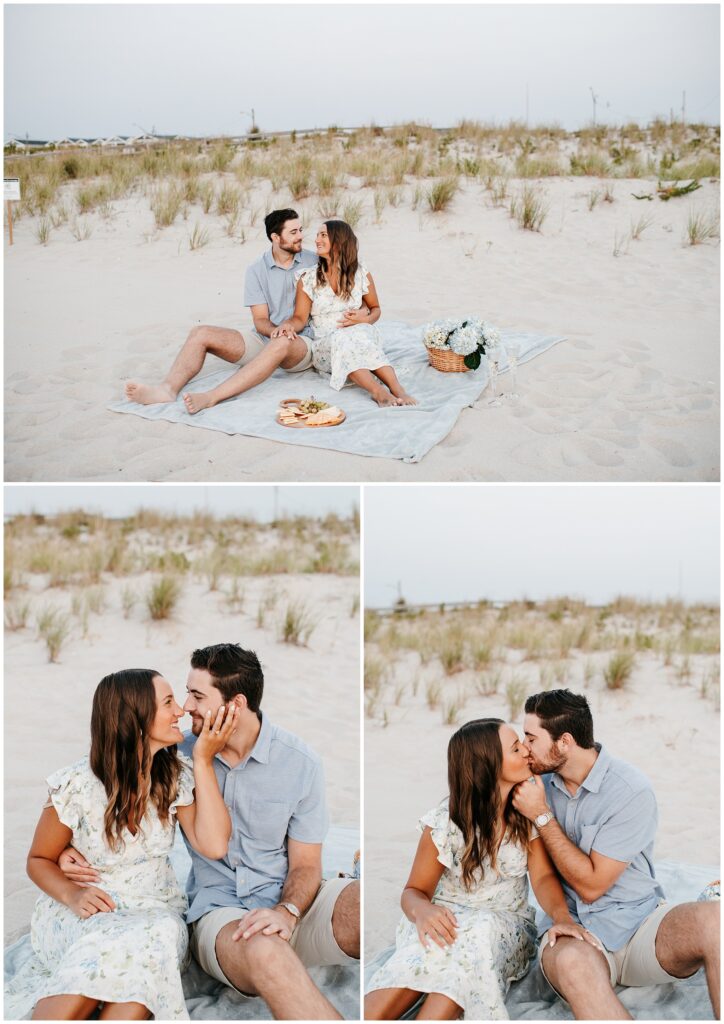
(401, 432)
(531, 998)
(206, 998)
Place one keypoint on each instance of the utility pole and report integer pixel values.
(593, 95)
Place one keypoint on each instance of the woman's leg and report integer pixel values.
(438, 1007)
(367, 380)
(388, 376)
(64, 1008)
(125, 1011)
(389, 1003)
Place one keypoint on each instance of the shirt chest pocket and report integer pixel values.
(269, 822)
(588, 837)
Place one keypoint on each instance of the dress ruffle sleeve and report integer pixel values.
(438, 821)
(364, 278)
(65, 793)
(308, 278)
(186, 784)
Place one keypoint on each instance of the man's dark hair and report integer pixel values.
(562, 711)
(233, 670)
(274, 222)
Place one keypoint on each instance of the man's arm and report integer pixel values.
(262, 323)
(590, 875)
(301, 886)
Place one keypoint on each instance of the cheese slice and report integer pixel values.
(319, 419)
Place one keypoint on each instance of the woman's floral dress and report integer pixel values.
(133, 954)
(496, 934)
(339, 351)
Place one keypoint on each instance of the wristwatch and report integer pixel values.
(543, 819)
(294, 911)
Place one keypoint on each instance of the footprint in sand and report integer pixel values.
(598, 455)
(673, 452)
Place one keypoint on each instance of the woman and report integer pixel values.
(468, 930)
(120, 946)
(340, 295)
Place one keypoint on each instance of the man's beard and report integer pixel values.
(294, 247)
(553, 762)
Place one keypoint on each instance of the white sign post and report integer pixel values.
(12, 195)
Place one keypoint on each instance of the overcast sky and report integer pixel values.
(508, 542)
(241, 500)
(93, 69)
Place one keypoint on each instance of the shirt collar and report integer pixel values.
(260, 750)
(271, 263)
(593, 780)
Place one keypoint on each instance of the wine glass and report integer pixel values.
(513, 355)
(494, 357)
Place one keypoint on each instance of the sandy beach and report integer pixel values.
(47, 704)
(632, 394)
(664, 720)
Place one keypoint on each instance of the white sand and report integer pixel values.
(312, 691)
(665, 729)
(632, 395)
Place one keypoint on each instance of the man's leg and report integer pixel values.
(267, 966)
(688, 938)
(345, 920)
(283, 351)
(580, 973)
(219, 341)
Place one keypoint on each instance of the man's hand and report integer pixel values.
(268, 921)
(75, 867)
(529, 798)
(214, 736)
(89, 901)
(354, 316)
(576, 931)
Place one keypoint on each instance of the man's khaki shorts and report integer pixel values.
(312, 940)
(635, 964)
(254, 344)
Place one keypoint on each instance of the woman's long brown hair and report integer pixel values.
(342, 253)
(124, 706)
(475, 760)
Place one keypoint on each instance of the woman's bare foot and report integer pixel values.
(383, 397)
(195, 401)
(148, 394)
(404, 399)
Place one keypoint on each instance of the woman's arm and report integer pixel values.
(370, 311)
(50, 839)
(302, 309)
(431, 920)
(206, 822)
(549, 893)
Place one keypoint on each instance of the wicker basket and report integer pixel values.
(447, 361)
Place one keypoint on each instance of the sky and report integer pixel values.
(97, 70)
(507, 542)
(125, 499)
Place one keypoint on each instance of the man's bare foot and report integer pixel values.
(195, 401)
(148, 394)
(383, 397)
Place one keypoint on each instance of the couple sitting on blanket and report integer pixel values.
(585, 835)
(249, 797)
(283, 288)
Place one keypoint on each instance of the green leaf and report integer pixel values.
(472, 361)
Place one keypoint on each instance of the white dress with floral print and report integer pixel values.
(496, 934)
(133, 954)
(339, 351)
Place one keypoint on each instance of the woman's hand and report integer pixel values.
(214, 736)
(354, 316)
(575, 931)
(89, 901)
(437, 923)
(285, 329)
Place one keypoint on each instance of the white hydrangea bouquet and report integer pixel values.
(459, 344)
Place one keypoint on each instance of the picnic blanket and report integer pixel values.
(401, 432)
(532, 999)
(207, 999)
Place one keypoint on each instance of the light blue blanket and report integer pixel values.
(207, 999)
(532, 999)
(406, 433)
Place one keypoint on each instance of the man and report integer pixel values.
(269, 290)
(597, 817)
(262, 914)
